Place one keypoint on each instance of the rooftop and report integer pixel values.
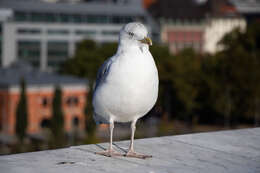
(11, 76)
(247, 6)
(236, 151)
(73, 8)
(192, 9)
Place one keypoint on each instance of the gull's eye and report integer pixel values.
(131, 34)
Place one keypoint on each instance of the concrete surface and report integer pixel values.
(236, 151)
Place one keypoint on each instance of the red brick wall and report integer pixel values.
(37, 112)
(5, 118)
(178, 39)
(185, 36)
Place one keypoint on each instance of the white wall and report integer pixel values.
(217, 28)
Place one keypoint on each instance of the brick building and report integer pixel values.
(196, 24)
(39, 91)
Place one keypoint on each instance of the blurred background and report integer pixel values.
(207, 53)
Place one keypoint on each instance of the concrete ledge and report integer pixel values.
(236, 151)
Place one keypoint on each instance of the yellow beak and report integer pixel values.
(146, 40)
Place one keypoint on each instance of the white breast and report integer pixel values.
(130, 89)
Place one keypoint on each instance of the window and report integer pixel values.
(29, 50)
(110, 33)
(125, 19)
(45, 123)
(20, 16)
(75, 121)
(85, 32)
(37, 17)
(57, 52)
(45, 102)
(49, 17)
(128, 19)
(64, 18)
(58, 32)
(103, 19)
(76, 18)
(117, 19)
(57, 49)
(72, 101)
(96, 19)
(92, 19)
(28, 31)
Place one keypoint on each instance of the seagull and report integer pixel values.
(127, 85)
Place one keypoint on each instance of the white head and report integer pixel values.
(134, 34)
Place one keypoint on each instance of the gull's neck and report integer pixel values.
(126, 48)
(130, 47)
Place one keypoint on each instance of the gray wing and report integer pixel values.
(101, 76)
(103, 72)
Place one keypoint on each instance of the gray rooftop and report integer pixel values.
(11, 76)
(247, 6)
(132, 9)
(236, 151)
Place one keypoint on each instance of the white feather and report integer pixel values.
(127, 83)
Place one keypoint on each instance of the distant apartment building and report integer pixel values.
(196, 24)
(45, 34)
(40, 90)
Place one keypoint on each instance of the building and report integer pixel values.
(223, 18)
(250, 9)
(195, 24)
(45, 34)
(40, 87)
(216, 28)
(178, 35)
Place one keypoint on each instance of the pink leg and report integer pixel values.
(110, 152)
(131, 152)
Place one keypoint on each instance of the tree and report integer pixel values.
(87, 59)
(57, 120)
(21, 112)
(239, 88)
(164, 62)
(187, 81)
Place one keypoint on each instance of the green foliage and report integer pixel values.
(213, 86)
(239, 72)
(21, 113)
(180, 78)
(187, 78)
(87, 59)
(224, 87)
(57, 119)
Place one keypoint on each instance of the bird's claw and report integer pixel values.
(109, 153)
(137, 155)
